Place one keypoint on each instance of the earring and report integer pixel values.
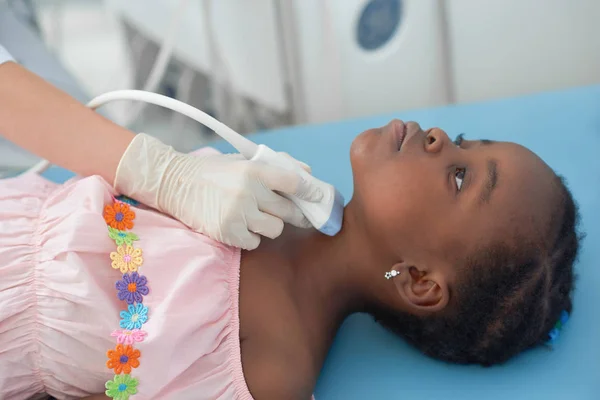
(391, 274)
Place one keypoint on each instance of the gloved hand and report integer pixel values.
(223, 196)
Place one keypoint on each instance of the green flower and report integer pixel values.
(121, 237)
(121, 387)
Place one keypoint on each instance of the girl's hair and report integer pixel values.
(508, 302)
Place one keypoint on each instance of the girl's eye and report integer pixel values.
(459, 176)
(459, 139)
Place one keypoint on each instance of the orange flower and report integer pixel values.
(119, 216)
(122, 359)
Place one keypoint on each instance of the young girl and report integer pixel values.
(465, 248)
(478, 240)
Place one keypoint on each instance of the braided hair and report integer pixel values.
(509, 300)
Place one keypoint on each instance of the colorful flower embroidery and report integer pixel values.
(127, 337)
(122, 359)
(121, 387)
(119, 216)
(132, 287)
(122, 237)
(134, 317)
(126, 258)
(128, 200)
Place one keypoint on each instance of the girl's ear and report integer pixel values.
(424, 292)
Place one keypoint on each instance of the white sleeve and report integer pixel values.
(5, 55)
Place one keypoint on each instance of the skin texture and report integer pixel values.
(421, 210)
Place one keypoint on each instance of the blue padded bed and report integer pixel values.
(367, 362)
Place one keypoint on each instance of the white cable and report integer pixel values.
(246, 147)
(162, 60)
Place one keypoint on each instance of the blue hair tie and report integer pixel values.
(555, 332)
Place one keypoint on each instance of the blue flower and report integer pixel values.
(128, 200)
(135, 316)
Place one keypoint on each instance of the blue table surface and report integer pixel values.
(367, 362)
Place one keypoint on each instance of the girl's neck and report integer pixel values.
(323, 274)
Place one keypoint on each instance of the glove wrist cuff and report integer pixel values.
(143, 169)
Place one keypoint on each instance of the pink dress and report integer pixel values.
(58, 302)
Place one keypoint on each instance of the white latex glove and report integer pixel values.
(223, 196)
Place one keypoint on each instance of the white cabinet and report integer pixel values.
(511, 47)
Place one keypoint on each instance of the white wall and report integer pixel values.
(511, 47)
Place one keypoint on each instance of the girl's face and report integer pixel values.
(428, 201)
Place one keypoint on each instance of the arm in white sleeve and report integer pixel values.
(5, 56)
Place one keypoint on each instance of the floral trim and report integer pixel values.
(126, 258)
(121, 387)
(119, 216)
(123, 358)
(135, 316)
(122, 237)
(128, 337)
(131, 289)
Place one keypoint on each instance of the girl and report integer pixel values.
(465, 248)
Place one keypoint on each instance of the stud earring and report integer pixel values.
(391, 274)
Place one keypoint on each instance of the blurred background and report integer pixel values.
(261, 64)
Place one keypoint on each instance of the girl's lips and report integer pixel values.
(399, 130)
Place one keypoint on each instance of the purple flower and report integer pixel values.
(132, 287)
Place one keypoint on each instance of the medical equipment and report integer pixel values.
(325, 215)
